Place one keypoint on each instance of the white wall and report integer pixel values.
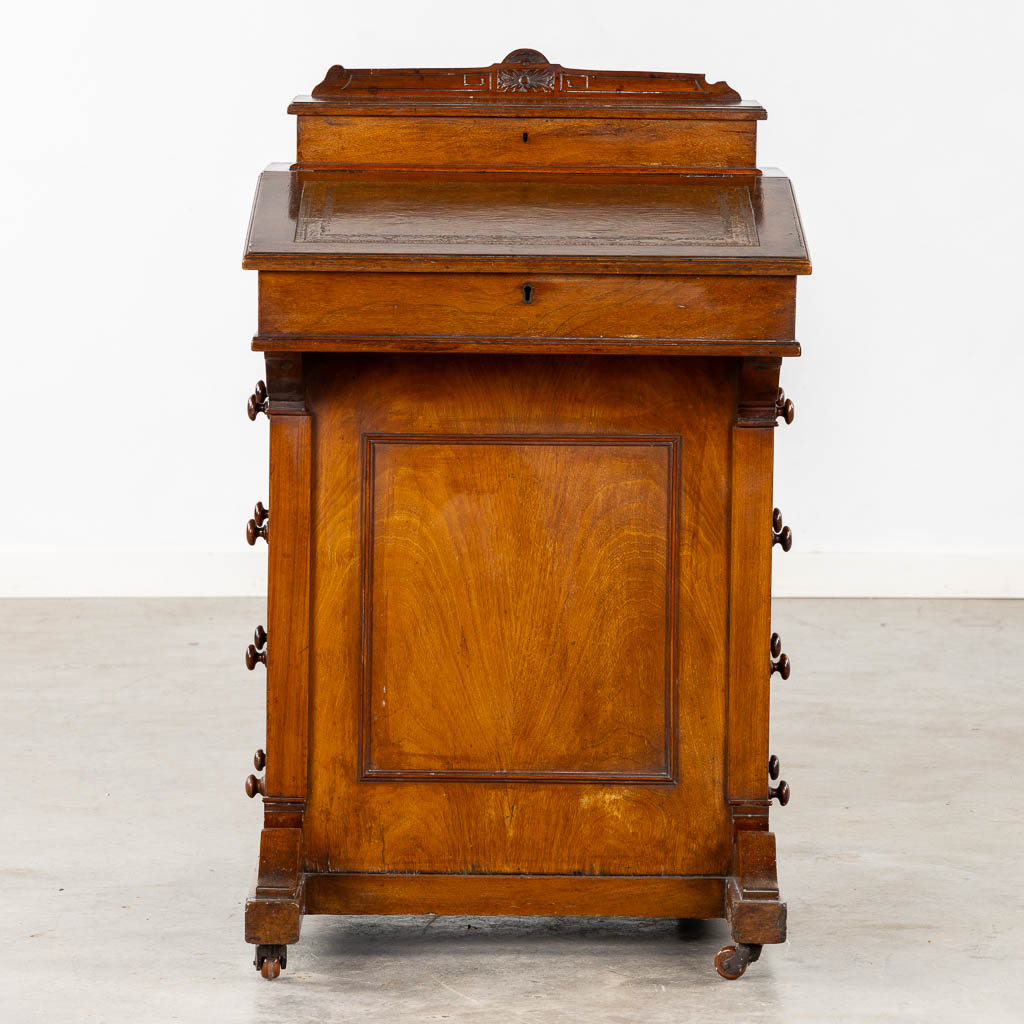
(134, 135)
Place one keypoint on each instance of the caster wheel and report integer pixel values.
(724, 963)
(732, 961)
(270, 961)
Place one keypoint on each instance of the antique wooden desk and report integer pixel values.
(523, 327)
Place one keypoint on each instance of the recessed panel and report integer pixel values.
(519, 607)
(507, 215)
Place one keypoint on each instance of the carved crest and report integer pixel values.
(526, 80)
(522, 73)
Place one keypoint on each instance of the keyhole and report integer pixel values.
(526, 136)
(528, 293)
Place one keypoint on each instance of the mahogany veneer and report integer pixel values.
(523, 327)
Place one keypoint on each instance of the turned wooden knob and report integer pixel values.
(782, 535)
(773, 767)
(259, 759)
(260, 513)
(780, 793)
(254, 657)
(259, 401)
(781, 665)
(784, 407)
(253, 531)
(255, 784)
(259, 637)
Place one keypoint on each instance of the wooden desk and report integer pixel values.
(523, 327)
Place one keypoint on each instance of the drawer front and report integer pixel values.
(527, 142)
(515, 306)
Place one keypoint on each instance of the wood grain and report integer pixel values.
(551, 143)
(519, 591)
(519, 607)
(537, 826)
(288, 605)
(491, 305)
(751, 580)
(444, 344)
(527, 75)
(513, 895)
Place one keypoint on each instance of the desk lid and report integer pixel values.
(343, 220)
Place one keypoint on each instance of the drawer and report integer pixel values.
(626, 306)
(527, 142)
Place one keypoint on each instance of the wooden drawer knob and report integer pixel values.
(784, 407)
(258, 526)
(255, 784)
(259, 759)
(781, 535)
(773, 767)
(254, 532)
(256, 652)
(259, 401)
(780, 793)
(781, 664)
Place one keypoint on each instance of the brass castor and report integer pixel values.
(270, 961)
(732, 961)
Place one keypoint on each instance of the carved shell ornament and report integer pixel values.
(526, 80)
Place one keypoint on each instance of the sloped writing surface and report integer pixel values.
(521, 216)
(322, 220)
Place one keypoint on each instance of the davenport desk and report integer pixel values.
(523, 328)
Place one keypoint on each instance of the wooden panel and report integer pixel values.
(491, 564)
(492, 305)
(541, 826)
(750, 617)
(505, 895)
(288, 606)
(526, 144)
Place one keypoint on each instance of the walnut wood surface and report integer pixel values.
(534, 145)
(750, 572)
(441, 569)
(526, 75)
(493, 563)
(520, 602)
(670, 225)
(288, 603)
(512, 895)
(278, 343)
(577, 307)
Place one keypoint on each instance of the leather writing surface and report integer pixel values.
(522, 215)
(664, 223)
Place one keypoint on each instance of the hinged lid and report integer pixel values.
(337, 220)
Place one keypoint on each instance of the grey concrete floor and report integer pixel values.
(126, 845)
